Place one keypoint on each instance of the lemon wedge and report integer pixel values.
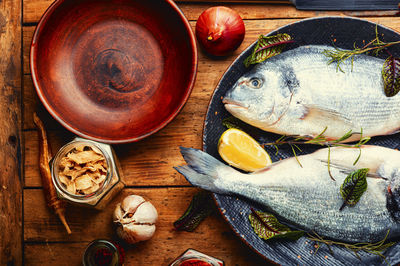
(242, 151)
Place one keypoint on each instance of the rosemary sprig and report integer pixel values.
(375, 46)
(321, 140)
(373, 248)
(329, 164)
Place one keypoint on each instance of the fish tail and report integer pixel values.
(202, 170)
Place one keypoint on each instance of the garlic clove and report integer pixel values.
(118, 213)
(130, 203)
(135, 218)
(133, 233)
(145, 213)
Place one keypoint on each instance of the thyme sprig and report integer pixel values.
(375, 46)
(373, 248)
(320, 139)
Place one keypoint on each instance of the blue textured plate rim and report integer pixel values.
(210, 112)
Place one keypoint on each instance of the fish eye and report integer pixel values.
(255, 83)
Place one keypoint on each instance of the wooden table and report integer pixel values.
(30, 234)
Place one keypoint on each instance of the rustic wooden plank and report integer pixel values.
(33, 10)
(61, 254)
(10, 132)
(146, 163)
(213, 236)
(27, 34)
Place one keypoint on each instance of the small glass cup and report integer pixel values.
(111, 186)
(102, 252)
(190, 256)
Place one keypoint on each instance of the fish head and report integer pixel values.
(393, 195)
(260, 97)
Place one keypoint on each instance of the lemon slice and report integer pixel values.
(242, 151)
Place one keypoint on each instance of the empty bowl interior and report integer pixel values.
(114, 71)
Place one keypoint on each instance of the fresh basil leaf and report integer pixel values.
(266, 47)
(353, 187)
(267, 226)
(391, 76)
(200, 207)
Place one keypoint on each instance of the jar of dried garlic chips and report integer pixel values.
(86, 173)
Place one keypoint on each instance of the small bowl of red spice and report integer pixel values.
(193, 257)
(102, 252)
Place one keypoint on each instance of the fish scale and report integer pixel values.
(299, 93)
(306, 197)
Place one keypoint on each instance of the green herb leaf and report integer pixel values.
(372, 248)
(339, 56)
(390, 70)
(200, 207)
(266, 47)
(353, 187)
(266, 226)
(345, 136)
(391, 76)
(231, 122)
(320, 139)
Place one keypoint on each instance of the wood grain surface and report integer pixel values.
(33, 10)
(44, 234)
(10, 134)
(147, 165)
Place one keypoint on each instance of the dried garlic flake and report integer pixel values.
(83, 170)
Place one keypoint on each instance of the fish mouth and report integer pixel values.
(234, 104)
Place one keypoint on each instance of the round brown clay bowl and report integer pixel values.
(114, 71)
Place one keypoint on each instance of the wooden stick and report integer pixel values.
(53, 202)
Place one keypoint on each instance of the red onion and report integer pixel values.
(220, 30)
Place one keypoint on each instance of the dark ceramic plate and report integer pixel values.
(346, 32)
(114, 71)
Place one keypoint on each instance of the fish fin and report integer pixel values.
(317, 113)
(197, 179)
(347, 170)
(342, 168)
(202, 170)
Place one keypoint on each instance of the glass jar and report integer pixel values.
(110, 186)
(194, 257)
(102, 252)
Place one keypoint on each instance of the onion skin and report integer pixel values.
(220, 30)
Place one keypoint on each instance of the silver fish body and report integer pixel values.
(298, 93)
(307, 197)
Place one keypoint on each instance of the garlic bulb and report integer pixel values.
(136, 219)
